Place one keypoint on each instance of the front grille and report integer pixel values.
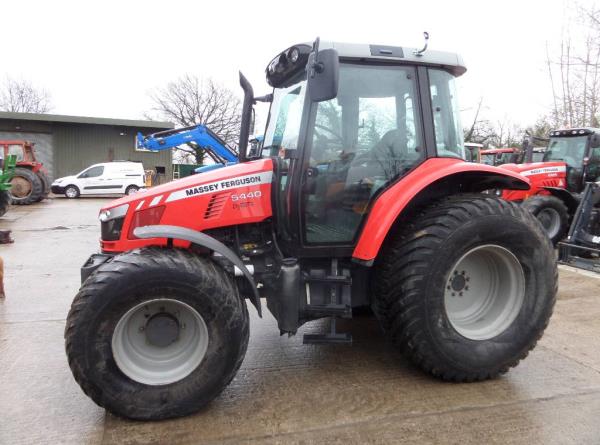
(111, 230)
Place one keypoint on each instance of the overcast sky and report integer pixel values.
(103, 58)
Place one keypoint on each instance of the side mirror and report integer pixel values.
(595, 140)
(323, 74)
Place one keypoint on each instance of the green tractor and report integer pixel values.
(7, 170)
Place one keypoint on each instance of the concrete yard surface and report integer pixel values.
(285, 392)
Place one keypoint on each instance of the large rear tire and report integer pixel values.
(45, 185)
(467, 287)
(552, 213)
(26, 187)
(156, 333)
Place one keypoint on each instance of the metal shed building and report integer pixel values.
(68, 144)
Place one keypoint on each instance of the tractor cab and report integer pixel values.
(579, 149)
(381, 111)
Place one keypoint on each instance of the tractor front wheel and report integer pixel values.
(26, 187)
(156, 333)
(467, 287)
(552, 214)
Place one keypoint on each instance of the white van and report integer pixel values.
(119, 177)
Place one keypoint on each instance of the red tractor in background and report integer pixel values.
(571, 159)
(359, 195)
(30, 182)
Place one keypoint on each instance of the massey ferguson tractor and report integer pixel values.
(557, 182)
(30, 182)
(359, 195)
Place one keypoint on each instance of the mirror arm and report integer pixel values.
(266, 98)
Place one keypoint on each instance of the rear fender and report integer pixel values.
(201, 239)
(434, 179)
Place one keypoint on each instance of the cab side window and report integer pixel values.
(16, 150)
(93, 172)
(594, 165)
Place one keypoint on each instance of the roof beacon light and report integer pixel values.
(293, 55)
(419, 52)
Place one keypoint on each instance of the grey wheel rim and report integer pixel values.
(550, 220)
(71, 192)
(132, 190)
(160, 341)
(484, 292)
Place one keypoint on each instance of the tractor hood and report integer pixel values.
(232, 195)
(212, 179)
(547, 169)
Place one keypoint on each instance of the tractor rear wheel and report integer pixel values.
(45, 185)
(552, 213)
(466, 288)
(26, 187)
(156, 333)
(4, 202)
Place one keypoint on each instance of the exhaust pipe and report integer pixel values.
(246, 117)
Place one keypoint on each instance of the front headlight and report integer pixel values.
(115, 212)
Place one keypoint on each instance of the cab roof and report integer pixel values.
(575, 131)
(362, 51)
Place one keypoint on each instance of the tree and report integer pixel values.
(191, 100)
(575, 73)
(481, 131)
(20, 96)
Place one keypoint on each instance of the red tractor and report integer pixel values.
(30, 182)
(500, 156)
(358, 196)
(571, 159)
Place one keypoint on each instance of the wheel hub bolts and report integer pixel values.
(162, 329)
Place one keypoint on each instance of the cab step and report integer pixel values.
(332, 337)
(332, 310)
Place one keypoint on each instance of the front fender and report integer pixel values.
(565, 196)
(201, 239)
(433, 179)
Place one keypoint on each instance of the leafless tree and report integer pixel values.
(191, 100)
(507, 134)
(481, 130)
(20, 96)
(576, 70)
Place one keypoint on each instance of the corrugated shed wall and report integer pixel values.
(44, 147)
(79, 146)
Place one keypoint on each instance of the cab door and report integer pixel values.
(367, 137)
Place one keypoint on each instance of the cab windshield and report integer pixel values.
(285, 116)
(570, 150)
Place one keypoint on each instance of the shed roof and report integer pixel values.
(7, 115)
